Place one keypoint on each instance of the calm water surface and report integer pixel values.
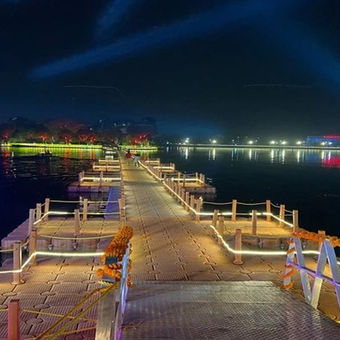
(305, 180)
(26, 180)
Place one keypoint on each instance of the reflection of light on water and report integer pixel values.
(298, 156)
(186, 153)
(167, 149)
(213, 154)
(283, 156)
(250, 154)
(272, 154)
(233, 154)
(322, 155)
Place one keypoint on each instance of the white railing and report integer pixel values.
(111, 309)
(326, 255)
(109, 161)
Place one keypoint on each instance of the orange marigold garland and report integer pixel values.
(114, 253)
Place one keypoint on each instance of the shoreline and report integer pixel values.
(52, 146)
(258, 146)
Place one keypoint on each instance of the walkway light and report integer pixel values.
(214, 141)
(283, 142)
(272, 142)
(251, 142)
(187, 140)
(299, 142)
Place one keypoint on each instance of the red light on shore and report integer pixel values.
(333, 162)
(332, 136)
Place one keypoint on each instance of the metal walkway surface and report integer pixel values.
(221, 311)
(167, 244)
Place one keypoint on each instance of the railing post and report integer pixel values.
(238, 246)
(282, 214)
(80, 177)
(121, 207)
(38, 211)
(254, 222)
(202, 178)
(174, 189)
(322, 233)
(187, 200)
(101, 179)
(32, 245)
(13, 320)
(31, 220)
(233, 210)
(192, 204)
(215, 218)
(46, 208)
(198, 208)
(182, 196)
(85, 208)
(220, 228)
(295, 220)
(268, 210)
(183, 180)
(17, 262)
(76, 222)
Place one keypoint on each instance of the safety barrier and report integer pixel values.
(82, 212)
(117, 266)
(108, 161)
(296, 260)
(106, 168)
(100, 179)
(195, 207)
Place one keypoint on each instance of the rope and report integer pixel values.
(6, 250)
(77, 238)
(50, 314)
(79, 304)
(64, 201)
(71, 332)
(103, 213)
(216, 203)
(102, 202)
(84, 311)
(25, 244)
(274, 205)
(243, 203)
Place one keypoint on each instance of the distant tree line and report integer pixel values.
(19, 129)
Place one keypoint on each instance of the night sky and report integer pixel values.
(255, 67)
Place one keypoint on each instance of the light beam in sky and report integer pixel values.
(113, 14)
(297, 42)
(199, 25)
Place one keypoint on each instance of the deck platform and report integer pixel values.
(56, 284)
(185, 284)
(219, 311)
(85, 187)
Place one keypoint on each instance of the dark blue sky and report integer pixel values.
(258, 67)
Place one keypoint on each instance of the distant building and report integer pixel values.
(333, 140)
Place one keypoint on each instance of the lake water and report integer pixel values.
(305, 180)
(26, 180)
